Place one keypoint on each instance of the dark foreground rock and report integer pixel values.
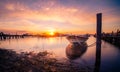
(10, 61)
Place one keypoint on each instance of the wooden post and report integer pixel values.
(99, 26)
(98, 42)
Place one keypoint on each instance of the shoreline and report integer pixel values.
(35, 62)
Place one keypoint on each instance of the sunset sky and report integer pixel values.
(64, 16)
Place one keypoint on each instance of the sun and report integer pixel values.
(51, 32)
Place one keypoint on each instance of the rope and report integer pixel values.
(92, 44)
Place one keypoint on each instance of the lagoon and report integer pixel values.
(110, 54)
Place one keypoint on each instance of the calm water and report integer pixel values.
(62, 49)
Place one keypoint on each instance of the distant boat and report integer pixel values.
(78, 38)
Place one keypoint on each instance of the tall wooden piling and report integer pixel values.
(98, 42)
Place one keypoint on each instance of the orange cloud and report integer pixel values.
(73, 18)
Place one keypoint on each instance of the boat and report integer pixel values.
(77, 38)
(75, 50)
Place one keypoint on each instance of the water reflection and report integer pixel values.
(75, 50)
(110, 55)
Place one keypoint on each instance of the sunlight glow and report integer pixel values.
(29, 16)
(51, 32)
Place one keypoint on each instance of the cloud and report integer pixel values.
(17, 25)
(33, 15)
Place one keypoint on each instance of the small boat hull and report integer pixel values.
(78, 39)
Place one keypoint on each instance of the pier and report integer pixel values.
(113, 37)
(9, 36)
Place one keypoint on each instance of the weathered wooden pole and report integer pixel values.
(98, 42)
(99, 28)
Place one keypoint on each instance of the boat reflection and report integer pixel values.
(75, 50)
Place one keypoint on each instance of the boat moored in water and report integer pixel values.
(77, 38)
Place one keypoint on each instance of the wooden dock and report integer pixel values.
(115, 40)
(8, 36)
